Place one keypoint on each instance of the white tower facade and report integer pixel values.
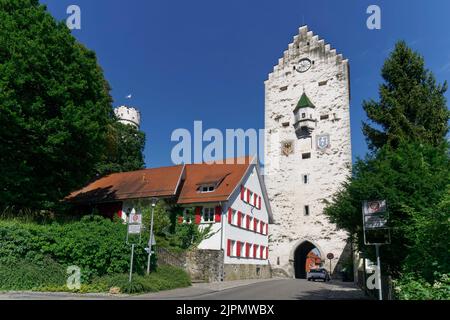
(128, 115)
(307, 152)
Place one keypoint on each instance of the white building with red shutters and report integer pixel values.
(229, 199)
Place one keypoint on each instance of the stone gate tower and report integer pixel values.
(307, 151)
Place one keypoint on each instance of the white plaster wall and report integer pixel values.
(251, 181)
(326, 169)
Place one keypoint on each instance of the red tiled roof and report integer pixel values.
(226, 177)
(164, 182)
(157, 182)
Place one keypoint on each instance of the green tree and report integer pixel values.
(413, 179)
(412, 105)
(54, 108)
(125, 149)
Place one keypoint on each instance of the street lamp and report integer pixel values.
(150, 241)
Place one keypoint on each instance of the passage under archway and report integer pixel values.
(306, 257)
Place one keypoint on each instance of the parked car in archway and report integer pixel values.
(318, 274)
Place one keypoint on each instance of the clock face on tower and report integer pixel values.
(304, 65)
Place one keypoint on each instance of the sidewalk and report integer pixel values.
(197, 289)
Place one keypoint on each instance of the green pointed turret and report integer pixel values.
(304, 102)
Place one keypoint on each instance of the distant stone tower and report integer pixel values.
(307, 152)
(128, 115)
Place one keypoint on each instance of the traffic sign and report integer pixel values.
(134, 228)
(330, 256)
(374, 207)
(375, 221)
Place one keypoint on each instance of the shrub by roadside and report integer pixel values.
(94, 244)
(21, 274)
(412, 287)
(165, 278)
(35, 257)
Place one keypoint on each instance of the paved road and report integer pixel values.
(274, 289)
(291, 289)
(279, 289)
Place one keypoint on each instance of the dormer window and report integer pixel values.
(206, 188)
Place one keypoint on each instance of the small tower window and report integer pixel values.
(305, 179)
(324, 117)
(306, 155)
(306, 210)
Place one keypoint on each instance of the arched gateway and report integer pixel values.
(304, 256)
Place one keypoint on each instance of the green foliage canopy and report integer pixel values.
(125, 147)
(54, 108)
(412, 105)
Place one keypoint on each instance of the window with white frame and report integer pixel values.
(208, 215)
(206, 188)
(256, 250)
(234, 219)
(243, 222)
(233, 248)
(187, 214)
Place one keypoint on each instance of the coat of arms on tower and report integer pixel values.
(323, 141)
(287, 148)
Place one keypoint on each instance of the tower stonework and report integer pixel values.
(128, 115)
(307, 151)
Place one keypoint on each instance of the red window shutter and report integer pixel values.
(229, 248)
(242, 193)
(267, 252)
(255, 249)
(218, 214)
(261, 252)
(247, 250)
(239, 218)
(198, 215)
(248, 196)
(255, 225)
(238, 249)
(255, 199)
(230, 215)
(248, 223)
(180, 219)
(259, 202)
(267, 229)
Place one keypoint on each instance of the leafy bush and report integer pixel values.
(412, 287)
(27, 275)
(165, 278)
(94, 244)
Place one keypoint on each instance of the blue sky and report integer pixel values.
(208, 59)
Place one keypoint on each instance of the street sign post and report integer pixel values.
(151, 241)
(134, 228)
(330, 257)
(376, 231)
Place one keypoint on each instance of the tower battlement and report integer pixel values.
(128, 115)
(307, 43)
